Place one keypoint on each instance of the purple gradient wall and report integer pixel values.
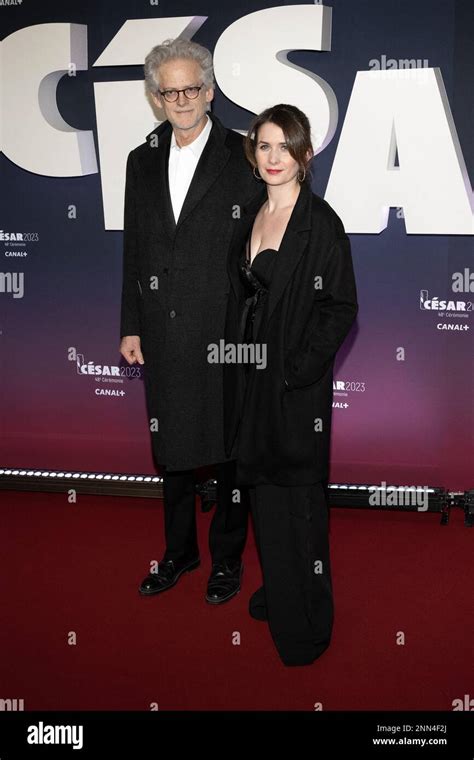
(407, 422)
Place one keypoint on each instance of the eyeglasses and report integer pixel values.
(172, 95)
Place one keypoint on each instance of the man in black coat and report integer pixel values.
(184, 189)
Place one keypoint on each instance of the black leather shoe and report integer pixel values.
(167, 574)
(224, 581)
(257, 606)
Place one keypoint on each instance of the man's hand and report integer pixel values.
(130, 348)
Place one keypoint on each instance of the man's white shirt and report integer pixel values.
(182, 165)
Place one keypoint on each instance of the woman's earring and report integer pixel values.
(304, 176)
(259, 178)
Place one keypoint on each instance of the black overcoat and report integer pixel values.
(280, 430)
(175, 288)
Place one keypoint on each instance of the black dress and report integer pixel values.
(256, 276)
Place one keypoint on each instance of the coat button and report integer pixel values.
(172, 313)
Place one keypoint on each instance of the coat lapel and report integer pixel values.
(291, 249)
(242, 229)
(211, 162)
(155, 174)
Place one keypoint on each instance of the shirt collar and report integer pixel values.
(196, 145)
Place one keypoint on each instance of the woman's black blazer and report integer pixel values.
(278, 423)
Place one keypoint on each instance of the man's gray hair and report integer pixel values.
(171, 50)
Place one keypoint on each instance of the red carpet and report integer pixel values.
(76, 568)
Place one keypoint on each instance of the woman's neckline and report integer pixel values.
(249, 249)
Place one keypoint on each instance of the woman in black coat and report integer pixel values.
(291, 304)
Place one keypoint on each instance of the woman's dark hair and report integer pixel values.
(295, 126)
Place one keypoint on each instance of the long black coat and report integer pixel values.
(281, 431)
(175, 288)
